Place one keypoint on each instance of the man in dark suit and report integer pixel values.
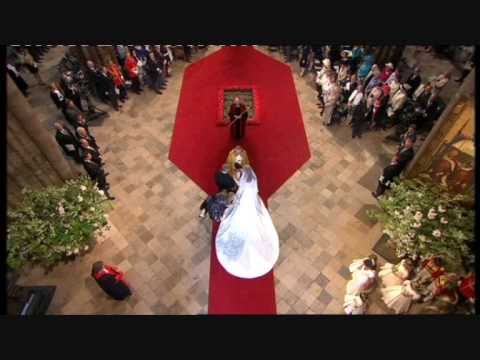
(67, 141)
(85, 147)
(224, 181)
(398, 164)
(96, 174)
(389, 173)
(413, 81)
(71, 112)
(107, 88)
(111, 280)
(358, 118)
(406, 153)
(72, 93)
(83, 133)
(57, 97)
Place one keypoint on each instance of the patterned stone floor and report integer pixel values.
(158, 240)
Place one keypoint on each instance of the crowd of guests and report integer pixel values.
(356, 90)
(133, 69)
(353, 88)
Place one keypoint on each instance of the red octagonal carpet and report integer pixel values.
(277, 147)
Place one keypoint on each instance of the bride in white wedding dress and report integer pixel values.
(247, 243)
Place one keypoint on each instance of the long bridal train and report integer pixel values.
(247, 244)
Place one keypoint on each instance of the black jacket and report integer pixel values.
(66, 139)
(404, 157)
(58, 100)
(225, 182)
(389, 173)
(71, 114)
(94, 170)
(414, 82)
(106, 84)
(153, 68)
(91, 139)
(92, 151)
(359, 112)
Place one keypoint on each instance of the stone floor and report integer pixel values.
(158, 240)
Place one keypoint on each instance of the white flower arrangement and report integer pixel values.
(443, 220)
(83, 188)
(80, 199)
(101, 192)
(441, 209)
(437, 233)
(432, 214)
(76, 251)
(417, 225)
(418, 216)
(92, 209)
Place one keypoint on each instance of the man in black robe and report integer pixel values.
(238, 115)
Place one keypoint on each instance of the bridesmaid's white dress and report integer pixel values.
(247, 244)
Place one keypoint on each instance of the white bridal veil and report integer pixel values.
(247, 243)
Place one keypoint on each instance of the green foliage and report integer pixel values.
(54, 223)
(423, 220)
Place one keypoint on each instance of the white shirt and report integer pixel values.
(355, 98)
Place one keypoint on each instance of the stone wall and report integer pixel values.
(34, 159)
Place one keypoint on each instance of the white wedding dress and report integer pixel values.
(247, 243)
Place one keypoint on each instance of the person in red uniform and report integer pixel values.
(111, 280)
(466, 287)
(238, 115)
(386, 72)
(131, 66)
(118, 80)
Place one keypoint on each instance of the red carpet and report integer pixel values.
(276, 148)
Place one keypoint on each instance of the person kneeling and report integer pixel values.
(216, 205)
